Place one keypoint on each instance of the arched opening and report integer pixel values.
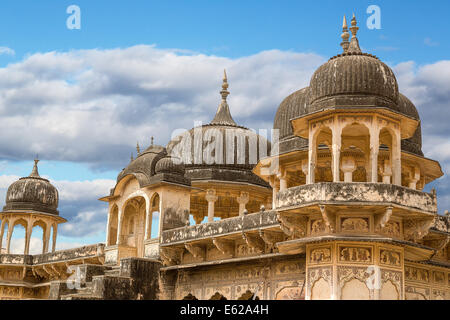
(248, 295)
(155, 215)
(320, 290)
(133, 225)
(113, 225)
(217, 296)
(355, 153)
(37, 238)
(17, 245)
(3, 236)
(190, 297)
(355, 289)
(323, 167)
(389, 291)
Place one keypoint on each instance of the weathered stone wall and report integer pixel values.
(274, 278)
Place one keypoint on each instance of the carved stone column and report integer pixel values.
(211, 197)
(397, 160)
(312, 157)
(55, 234)
(28, 232)
(243, 200)
(282, 177)
(8, 236)
(374, 150)
(2, 232)
(386, 171)
(305, 168)
(348, 166)
(148, 225)
(414, 177)
(336, 152)
(46, 238)
(119, 225)
(273, 184)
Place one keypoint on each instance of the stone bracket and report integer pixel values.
(329, 218)
(224, 246)
(292, 226)
(383, 218)
(416, 229)
(196, 250)
(271, 237)
(171, 256)
(254, 241)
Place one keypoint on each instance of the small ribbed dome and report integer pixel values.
(167, 165)
(232, 158)
(295, 105)
(413, 144)
(143, 167)
(32, 193)
(357, 74)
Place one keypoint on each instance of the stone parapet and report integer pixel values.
(360, 193)
(221, 227)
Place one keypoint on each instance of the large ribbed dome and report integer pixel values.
(348, 80)
(354, 74)
(32, 194)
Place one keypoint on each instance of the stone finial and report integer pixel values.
(224, 91)
(354, 44)
(345, 35)
(223, 115)
(446, 213)
(138, 149)
(35, 173)
(152, 140)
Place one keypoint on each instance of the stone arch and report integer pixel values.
(320, 290)
(389, 291)
(355, 152)
(132, 224)
(155, 216)
(248, 295)
(355, 289)
(39, 228)
(14, 225)
(218, 296)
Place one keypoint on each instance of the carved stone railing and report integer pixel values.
(356, 192)
(18, 259)
(70, 254)
(220, 228)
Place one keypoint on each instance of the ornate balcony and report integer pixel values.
(356, 193)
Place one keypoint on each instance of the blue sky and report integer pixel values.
(81, 100)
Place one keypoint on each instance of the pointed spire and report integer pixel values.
(35, 173)
(345, 35)
(138, 149)
(354, 44)
(223, 115)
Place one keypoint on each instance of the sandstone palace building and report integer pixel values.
(334, 208)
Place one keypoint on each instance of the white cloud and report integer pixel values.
(92, 105)
(7, 51)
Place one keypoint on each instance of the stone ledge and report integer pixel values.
(220, 228)
(356, 193)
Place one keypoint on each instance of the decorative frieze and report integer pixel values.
(320, 255)
(355, 224)
(355, 254)
(417, 274)
(390, 258)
